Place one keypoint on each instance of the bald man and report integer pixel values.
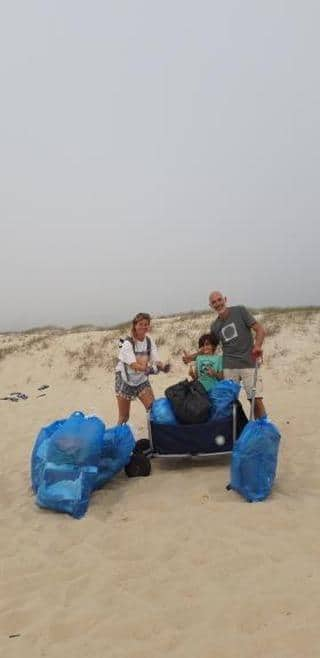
(234, 329)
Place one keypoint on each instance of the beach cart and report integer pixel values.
(215, 437)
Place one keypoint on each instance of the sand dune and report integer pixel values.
(170, 565)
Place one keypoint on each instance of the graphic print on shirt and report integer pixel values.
(203, 368)
(229, 332)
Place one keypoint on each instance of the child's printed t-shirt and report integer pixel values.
(205, 361)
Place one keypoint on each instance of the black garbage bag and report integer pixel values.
(190, 402)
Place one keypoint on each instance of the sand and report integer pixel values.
(169, 565)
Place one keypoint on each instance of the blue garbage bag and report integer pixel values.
(222, 396)
(79, 440)
(66, 488)
(118, 446)
(254, 460)
(39, 454)
(162, 412)
(74, 456)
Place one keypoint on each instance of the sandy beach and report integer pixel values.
(170, 565)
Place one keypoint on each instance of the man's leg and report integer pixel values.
(259, 408)
(247, 380)
(232, 373)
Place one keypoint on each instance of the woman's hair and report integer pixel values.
(137, 318)
(207, 338)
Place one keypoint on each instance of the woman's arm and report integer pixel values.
(138, 367)
(128, 357)
(154, 355)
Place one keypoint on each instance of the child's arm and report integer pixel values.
(187, 358)
(192, 373)
(214, 373)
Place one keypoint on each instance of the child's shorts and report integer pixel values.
(124, 390)
(245, 375)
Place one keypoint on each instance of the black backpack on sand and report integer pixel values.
(139, 465)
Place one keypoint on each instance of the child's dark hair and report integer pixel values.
(207, 338)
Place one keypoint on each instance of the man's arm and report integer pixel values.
(259, 338)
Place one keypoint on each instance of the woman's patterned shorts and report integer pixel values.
(123, 390)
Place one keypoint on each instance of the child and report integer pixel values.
(208, 368)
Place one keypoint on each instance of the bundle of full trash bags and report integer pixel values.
(73, 457)
(254, 454)
(189, 403)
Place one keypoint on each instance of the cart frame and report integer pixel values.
(159, 455)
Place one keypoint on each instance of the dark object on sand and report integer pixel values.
(14, 397)
(143, 446)
(43, 387)
(11, 398)
(20, 396)
(139, 466)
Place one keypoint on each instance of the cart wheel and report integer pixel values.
(228, 487)
(139, 466)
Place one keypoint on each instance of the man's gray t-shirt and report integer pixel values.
(235, 336)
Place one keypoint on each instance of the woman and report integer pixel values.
(138, 357)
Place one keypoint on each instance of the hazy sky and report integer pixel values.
(154, 150)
